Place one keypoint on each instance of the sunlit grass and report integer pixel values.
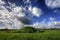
(47, 35)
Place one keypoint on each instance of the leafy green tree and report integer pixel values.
(27, 29)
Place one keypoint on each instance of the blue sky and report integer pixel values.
(41, 11)
(46, 11)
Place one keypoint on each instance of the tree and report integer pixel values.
(27, 29)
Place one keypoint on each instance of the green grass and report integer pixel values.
(47, 35)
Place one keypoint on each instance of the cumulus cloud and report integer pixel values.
(35, 11)
(2, 2)
(18, 11)
(27, 1)
(52, 19)
(39, 25)
(9, 18)
(57, 11)
(54, 24)
(53, 3)
(50, 24)
(44, 20)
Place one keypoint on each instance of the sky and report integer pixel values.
(44, 13)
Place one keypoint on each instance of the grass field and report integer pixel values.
(47, 35)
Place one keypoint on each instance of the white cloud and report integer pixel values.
(44, 20)
(52, 19)
(26, 1)
(53, 3)
(18, 11)
(7, 18)
(39, 25)
(57, 11)
(54, 24)
(51, 24)
(35, 11)
(2, 2)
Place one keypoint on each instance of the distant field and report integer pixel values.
(47, 35)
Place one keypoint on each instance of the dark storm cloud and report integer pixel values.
(25, 20)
